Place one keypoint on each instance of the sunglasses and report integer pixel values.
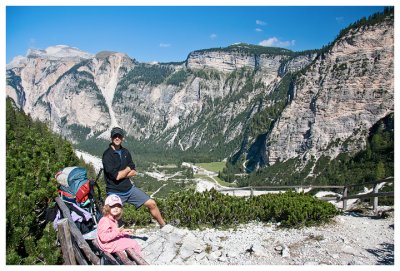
(117, 135)
(116, 205)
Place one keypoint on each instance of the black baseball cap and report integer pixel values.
(117, 131)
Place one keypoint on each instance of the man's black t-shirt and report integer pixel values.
(112, 164)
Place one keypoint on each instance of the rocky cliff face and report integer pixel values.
(233, 100)
(338, 99)
(220, 61)
(67, 87)
(229, 61)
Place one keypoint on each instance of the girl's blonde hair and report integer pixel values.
(107, 211)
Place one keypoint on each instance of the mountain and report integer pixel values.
(255, 105)
(167, 103)
(336, 100)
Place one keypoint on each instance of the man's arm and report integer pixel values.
(125, 173)
(130, 163)
(112, 170)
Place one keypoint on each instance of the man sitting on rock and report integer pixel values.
(118, 168)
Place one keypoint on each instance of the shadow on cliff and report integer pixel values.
(256, 155)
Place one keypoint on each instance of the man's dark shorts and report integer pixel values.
(134, 196)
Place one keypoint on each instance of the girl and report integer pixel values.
(109, 237)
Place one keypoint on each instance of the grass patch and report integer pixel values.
(213, 166)
(223, 183)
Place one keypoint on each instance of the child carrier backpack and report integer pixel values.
(74, 184)
(78, 194)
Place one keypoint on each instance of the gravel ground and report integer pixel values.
(351, 239)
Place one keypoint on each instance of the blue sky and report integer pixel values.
(170, 33)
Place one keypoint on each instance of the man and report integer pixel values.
(118, 168)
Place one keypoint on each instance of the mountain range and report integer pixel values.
(254, 105)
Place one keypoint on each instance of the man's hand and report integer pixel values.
(132, 173)
(123, 173)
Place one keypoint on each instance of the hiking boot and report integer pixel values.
(170, 225)
(175, 222)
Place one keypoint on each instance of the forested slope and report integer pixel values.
(34, 155)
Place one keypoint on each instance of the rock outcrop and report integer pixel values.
(339, 98)
(339, 243)
(241, 57)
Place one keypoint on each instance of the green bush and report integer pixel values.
(33, 155)
(293, 209)
(213, 209)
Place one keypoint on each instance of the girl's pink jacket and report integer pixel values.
(110, 239)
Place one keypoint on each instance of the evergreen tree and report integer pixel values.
(380, 171)
(33, 155)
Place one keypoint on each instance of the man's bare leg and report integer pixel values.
(154, 211)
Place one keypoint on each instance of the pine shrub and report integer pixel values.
(211, 209)
(33, 155)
